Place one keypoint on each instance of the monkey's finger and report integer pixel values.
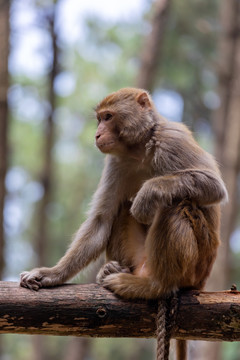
(32, 284)
(23, 284)
(23, 278)
(30, 280)
(31, 275)
(24, 274)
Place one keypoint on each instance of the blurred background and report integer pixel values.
(57, 60)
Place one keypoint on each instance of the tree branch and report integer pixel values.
(90, 310)
(152, 48)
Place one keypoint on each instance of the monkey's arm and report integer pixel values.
(205, 187)
(89, 241)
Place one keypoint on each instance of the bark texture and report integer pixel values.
(90, 310)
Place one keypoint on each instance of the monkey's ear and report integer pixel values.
(143, 100)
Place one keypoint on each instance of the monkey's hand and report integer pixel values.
(40, 277)
(147, 201)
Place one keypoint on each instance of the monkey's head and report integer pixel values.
(125, 119)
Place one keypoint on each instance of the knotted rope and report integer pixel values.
(165, 323)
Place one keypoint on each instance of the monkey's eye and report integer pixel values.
(108, 116)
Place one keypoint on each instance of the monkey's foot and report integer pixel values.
(130, 286)
(126, 285)
(112, 267)
(38, 278)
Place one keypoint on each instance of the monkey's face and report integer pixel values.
(107, 135)
(125, 119)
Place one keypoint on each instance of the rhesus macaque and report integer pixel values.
(156, 210)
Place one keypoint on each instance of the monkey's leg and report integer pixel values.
(171, 256)
(126, 246)
(172, 247)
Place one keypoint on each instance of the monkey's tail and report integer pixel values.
(181, 349)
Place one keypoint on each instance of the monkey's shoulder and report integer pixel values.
(171, 130)
(177, 149)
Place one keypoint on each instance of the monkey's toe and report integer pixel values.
(115, 283)
(112, 267)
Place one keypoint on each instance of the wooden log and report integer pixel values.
(90, 310)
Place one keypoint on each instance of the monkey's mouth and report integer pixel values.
(104, 144)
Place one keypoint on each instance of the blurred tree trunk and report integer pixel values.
(227, 120)
(40, 351)
(227, 130)
(78, 349)
(47, 170)
(152, 47)
(4, 50)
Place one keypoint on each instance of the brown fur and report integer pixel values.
(156, 209)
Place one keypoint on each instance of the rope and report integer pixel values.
(165, 323)
(162, 343)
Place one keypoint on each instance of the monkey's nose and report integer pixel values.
(97, 136)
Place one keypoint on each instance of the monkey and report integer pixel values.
(156, 210)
